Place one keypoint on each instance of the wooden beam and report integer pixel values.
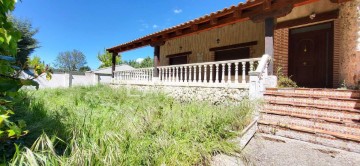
(247, 44)
(237, 13)
(157, 43)
(195, 27)
(339, 1)
(213, 21)
(306, 20)
(267, 4)
(278, 10)
(178, 32)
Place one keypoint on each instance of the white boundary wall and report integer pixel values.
(65, 79)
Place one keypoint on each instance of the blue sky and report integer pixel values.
(92, 25)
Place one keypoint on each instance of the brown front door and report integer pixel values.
(310, 55)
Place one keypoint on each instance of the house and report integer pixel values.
(313, 41)
(104, 75)
(237, 51)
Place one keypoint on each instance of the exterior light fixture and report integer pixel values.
(312, 16)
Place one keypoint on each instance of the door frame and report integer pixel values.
(329, 57)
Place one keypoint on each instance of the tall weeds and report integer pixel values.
(104, 126)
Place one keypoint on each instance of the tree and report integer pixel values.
(27, 43)
(10, 82)
(34, 62)
(106, 59)
(147, 62)
(85, 68)
(70, 60)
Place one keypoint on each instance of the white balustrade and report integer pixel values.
(220, 73)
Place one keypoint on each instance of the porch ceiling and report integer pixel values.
(255, 10)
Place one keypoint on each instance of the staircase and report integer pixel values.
(322, 116)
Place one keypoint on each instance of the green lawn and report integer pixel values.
(100, 125)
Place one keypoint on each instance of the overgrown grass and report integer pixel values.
(104, 126)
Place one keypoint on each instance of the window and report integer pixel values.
(178, 60)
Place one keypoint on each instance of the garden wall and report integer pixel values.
(181, 93)
(65, 79)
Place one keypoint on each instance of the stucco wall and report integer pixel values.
(349, 22)
(200, 43)
(64, 80)
(320, 6)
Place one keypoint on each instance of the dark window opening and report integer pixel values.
(233, 54)
(178, 60)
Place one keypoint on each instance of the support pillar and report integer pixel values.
(156, 60)
(113, 62)
(269, 42)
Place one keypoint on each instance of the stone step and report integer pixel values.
(348, 131)
(330, 115)
(326, 103)
(314, 92)
(316, 138)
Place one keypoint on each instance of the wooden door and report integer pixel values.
(310, 56)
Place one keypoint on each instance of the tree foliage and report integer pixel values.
(34, 62)
(105, 59)
(27, 43)
(85, 68)
(147, 62)
(70, 60)
(10, 82)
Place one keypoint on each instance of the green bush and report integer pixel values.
(104, 126)
(284, 81)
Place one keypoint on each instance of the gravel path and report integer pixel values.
(269, 150)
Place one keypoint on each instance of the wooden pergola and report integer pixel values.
(255, 10)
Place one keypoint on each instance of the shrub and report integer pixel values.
(284, 81)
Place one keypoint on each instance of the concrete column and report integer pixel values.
(269, 42)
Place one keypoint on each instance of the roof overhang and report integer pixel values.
(255, 10)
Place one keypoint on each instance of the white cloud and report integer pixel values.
(177, 11)
(155, 26)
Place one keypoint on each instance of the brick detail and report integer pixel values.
(281, 50)
(312, 114)
(336, 60)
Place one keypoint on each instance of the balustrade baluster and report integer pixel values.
(243, 72)
(190, 79)
(186, 79)
(223, 73)
(176, 74)
(217, 73)
(236, 72)
(211, 73)
(205, 74)
(229, 73)
(195, 79)
(181, 73)
(173, 74)
(200, 80)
